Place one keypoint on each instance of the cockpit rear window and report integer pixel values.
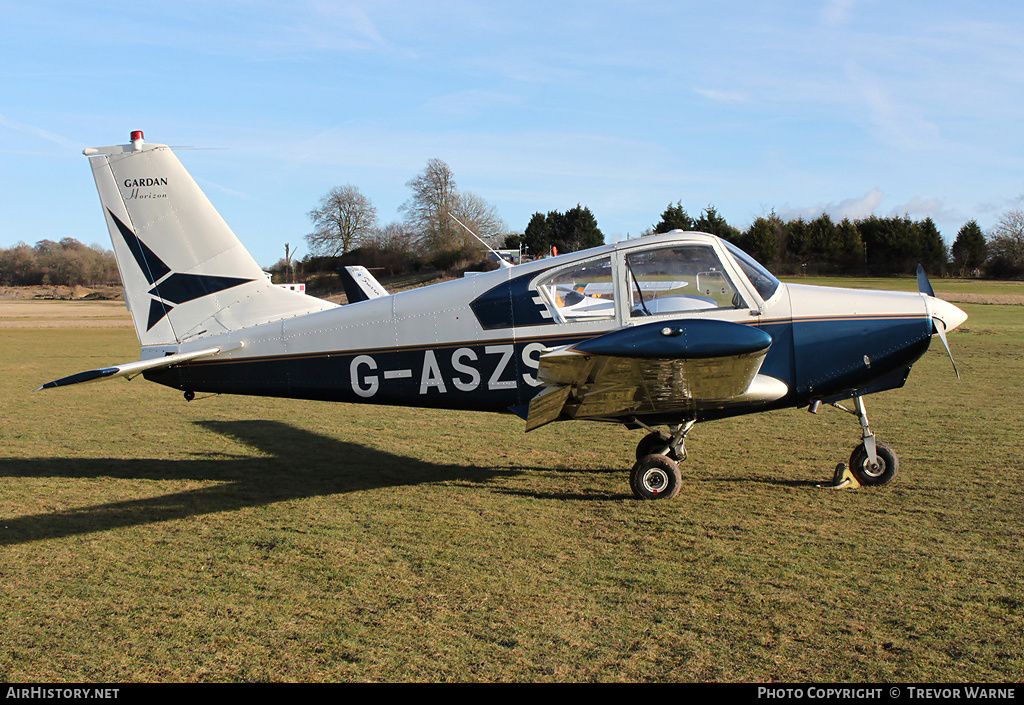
(584, 292)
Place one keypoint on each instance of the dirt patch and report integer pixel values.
(60, 293)
(998, 299)
(48, 313)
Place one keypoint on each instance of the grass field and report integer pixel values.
(242, 539)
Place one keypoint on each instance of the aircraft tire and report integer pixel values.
(655, 477)
(888, 465)
(652, 443)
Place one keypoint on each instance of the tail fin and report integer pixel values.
(185, 274)
(360, 285)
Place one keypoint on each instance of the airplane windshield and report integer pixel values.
(681, 278)
(764, 282)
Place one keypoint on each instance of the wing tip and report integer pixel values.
(79, 377)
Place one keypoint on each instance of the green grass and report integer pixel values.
(245, 539)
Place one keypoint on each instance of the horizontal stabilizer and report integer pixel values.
(129, 369)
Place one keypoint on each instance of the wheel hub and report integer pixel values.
(655, 480)
(875, 470)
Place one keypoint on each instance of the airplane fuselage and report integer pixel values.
(476, 343)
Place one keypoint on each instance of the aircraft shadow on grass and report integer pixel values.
(297, 464)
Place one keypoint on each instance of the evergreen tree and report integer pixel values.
(969, 249)
(884, 243)
(932, 249)
(711, 221)
(798, 245)
(851, 258)
(762, 239)
(537, 237)
(576, 229)
(823, 243)
(674, 217)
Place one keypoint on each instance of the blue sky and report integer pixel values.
(850, 107)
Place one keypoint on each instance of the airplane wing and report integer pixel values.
(674, 366)
(129, 369)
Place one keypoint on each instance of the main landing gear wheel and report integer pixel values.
(671, 445)
(655, 442)
(881, 474)
(655, 476)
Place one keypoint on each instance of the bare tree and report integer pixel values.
(18, 265)
(68, 263)
(433, 199)
(289, 257)
(1006, 246)
(437, 207)
(344, 216)
(480, 217)
(393, 236)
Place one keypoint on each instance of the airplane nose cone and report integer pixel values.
(950, 315)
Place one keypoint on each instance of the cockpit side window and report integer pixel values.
(584, 292)
(677, 279)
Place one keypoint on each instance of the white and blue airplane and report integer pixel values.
(662, 331)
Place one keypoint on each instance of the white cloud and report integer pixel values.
(836, 12)
(345, 26)
(39, 132)
(470, 103)
(721, 96)
(852, 208)
(897, 123)
(918, 207)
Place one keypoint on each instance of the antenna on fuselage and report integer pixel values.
(502, 262)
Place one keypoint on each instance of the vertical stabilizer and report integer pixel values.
(185, 274)
(360, 285)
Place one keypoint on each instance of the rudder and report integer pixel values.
(185, 273)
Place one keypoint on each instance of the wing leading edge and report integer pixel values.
(674, 366)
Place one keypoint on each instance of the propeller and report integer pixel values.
(938, 306)
(923, 285)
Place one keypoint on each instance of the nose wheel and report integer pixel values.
(881, 472)
(872, 463)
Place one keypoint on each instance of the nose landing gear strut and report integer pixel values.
(872, 463)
